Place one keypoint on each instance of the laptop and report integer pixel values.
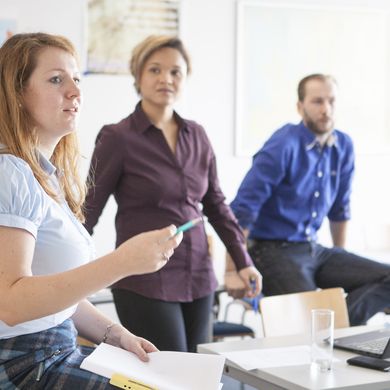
(375, 343)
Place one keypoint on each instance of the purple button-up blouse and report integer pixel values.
(154, 188)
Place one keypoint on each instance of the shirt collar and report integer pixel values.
(143, 123)
(311, 140)
(46, 165)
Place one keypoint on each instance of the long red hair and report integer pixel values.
(18, 59)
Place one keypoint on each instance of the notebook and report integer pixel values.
(165, 370)
(375, 343)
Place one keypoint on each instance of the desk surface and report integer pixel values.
(304, 377)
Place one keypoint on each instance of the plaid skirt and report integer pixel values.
(47, 360)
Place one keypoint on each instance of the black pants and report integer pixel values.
(170, 326)
(293, 267)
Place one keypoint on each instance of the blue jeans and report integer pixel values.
(49, 359)
(289, 267)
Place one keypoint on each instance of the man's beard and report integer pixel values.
(312, 125)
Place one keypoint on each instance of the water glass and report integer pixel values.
(322, 328)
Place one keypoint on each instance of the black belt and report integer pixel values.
(277, 243)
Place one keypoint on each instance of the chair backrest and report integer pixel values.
(291, 313)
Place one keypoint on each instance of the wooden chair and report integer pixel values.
(291, 313)
(84, 342)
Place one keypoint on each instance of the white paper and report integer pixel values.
(165, 370)
(270, 357)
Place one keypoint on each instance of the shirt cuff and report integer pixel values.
(240, 256)
(339, 218)
(15, 221)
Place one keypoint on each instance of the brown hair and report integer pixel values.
(142, 52)
(18, 59)
(314, 76)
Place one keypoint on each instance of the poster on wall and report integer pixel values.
(280, 43)
(7, 29)
(116, 26)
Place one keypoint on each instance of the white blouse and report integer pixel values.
(61, 241)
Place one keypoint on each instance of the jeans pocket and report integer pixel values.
(43, 365)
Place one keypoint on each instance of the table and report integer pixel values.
(304, 377)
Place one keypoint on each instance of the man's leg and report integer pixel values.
(367, 282)
(286, 267)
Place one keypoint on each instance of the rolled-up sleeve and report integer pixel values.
(267, 171)
(21, 197)
(341, 210)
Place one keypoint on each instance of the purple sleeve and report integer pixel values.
(223, 220)
(104, 173)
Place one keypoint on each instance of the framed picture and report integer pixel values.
(280, 43)
(116, 26)
(7, 29)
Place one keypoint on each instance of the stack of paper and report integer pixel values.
(270, 357)
(165, 370)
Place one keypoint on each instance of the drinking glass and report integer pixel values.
(322, 328)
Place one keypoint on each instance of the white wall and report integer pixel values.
(208, 29)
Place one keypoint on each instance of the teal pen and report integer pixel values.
(188, 225)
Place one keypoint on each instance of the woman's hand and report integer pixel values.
(148, 252)
(122, 338)
(252, 279)
(234, 285)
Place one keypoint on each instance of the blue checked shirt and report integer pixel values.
(294, 183)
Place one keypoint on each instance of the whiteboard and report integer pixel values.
(278, 44)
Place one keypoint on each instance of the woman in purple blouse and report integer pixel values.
(161, 170)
